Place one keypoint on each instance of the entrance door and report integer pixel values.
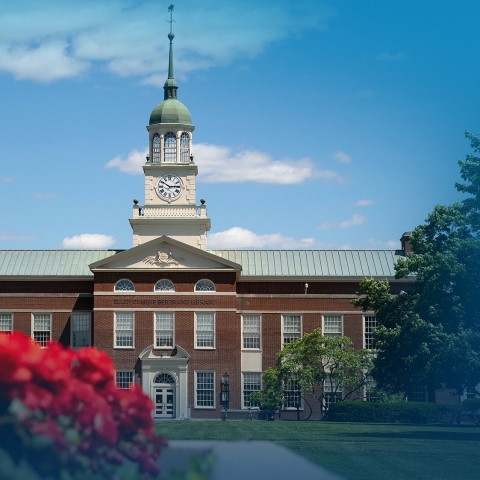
(164, 402)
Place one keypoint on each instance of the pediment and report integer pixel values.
(164, 253)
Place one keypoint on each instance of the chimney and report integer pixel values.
(406, 245)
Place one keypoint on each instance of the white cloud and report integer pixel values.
(390, 57)
(10, 179)
(379, 245)
(50, 40)
(220, 165)
(9, 236)
(132, 164)
(88, 240)
(238, 237)
(342, 157)
(363, 203)
(47, 62)
(43, 195)
(352, 222)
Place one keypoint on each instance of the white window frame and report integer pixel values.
(164, 347)
(284, 315)
(369, 316)
(161, 292)
(341, 323)
(205, 291)
(7, 332)
(115, 331)
(33, 325)
(284, 406)
(124, 371)
(245, 407)
(214, 331)
(208, 407)
(243, 347)
(123, 291)
(331, 384)
(71, 328)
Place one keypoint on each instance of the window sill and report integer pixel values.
(292, 409)
(259, 350)
(124, 348)
(205, 408)
(204, 348)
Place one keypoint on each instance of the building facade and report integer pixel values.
(174, 316)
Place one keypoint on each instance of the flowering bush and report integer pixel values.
(62, 416)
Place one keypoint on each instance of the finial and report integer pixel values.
(202, 201)
(170, 9)
(170, 87)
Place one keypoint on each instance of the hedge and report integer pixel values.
(399, 412)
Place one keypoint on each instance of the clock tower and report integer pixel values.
(170, 174)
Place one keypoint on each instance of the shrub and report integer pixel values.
(471, 410)
(397, 412)
(62, 416)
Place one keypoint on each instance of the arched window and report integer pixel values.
(170, 147)
(205, 286)
(164, 285)
(124, 285)
(164, 378)
(156, 148)
(184, 147)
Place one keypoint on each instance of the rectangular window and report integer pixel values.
(292, 327)
(370, 327)
(124, 330)
(81, 328)
(6, 323)
(332, 326)
(332, 391)
(251, 331)
(124, 378)
(251, 383)
(370, 390)
(417, 392)
(164, 330)
(205, 389)
(205, 330)
(42, 325)
(292, 395)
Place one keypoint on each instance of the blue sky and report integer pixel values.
(333, 124)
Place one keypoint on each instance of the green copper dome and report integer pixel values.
(170, 111)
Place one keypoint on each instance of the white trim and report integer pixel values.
(86, 312)
(119, 308)
(242, 398)
(242, 347)
(214, 331)
(157, 294)
(132, 347)
(214, 390)
(46, 295)
(364, 331)
(32, 316)
(203, 292)
(333, 314)
(163, 291)
(320, 312)
(155, 331)
(123, 291)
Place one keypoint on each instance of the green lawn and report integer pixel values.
(356, 451)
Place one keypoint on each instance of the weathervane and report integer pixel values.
(170, 9)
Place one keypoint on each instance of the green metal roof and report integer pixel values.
(255, 263)
(314, 263)
(170, 111)
(50, 262)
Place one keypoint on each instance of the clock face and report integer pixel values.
(169, 187)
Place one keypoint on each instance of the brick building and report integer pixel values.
(173, 315)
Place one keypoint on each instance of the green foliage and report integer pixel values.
(313, 359)
(471, 410)
(431, 334)
(270, 398)
(198, 469)
(397, 412)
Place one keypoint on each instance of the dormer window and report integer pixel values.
(184, 147)
(170, 148)
(156, 148)
(124, 285)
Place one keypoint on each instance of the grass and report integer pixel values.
(356, 451)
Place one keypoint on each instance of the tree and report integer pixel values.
(430, 335)
(270, 398)
(314, 360)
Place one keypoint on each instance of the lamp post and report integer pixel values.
(225, 395)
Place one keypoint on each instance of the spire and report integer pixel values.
(170, 87)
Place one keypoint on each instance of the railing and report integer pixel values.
(170, 211)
